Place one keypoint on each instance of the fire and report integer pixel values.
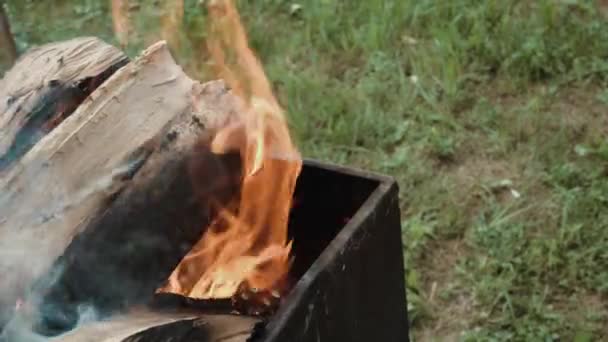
(247, 246)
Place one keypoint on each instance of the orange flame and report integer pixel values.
(247, 246)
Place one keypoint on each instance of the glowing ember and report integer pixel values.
(245, 249)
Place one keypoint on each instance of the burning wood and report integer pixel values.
(147, 120)
(247, 245)
(157, 186)
(131, 179)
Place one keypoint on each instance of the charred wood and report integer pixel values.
(45, 87)
(101, 209)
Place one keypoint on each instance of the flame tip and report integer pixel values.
(245, 249)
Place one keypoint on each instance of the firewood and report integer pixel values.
(144, 325)
(45, 86)
(102, 208)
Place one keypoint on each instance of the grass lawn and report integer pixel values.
(492, 115)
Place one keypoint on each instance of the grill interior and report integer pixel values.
(326, 199)
(324, 202)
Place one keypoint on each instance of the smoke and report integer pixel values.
(22, 326)
(28, 251)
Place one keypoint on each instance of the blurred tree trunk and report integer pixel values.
(171, 18)
(8, 49)
(602, 7)
(121, 21)
(171, 21)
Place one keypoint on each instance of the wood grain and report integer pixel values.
(128, 131)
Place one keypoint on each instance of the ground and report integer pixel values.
(490, 114)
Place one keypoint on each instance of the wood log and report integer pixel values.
(45, 86)
(144, 325)
(127, 184)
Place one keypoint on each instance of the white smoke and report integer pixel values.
(28, 252)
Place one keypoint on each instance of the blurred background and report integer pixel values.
(492, 115)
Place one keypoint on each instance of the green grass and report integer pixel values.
(491, 115)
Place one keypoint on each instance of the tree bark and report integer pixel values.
(103, 207)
